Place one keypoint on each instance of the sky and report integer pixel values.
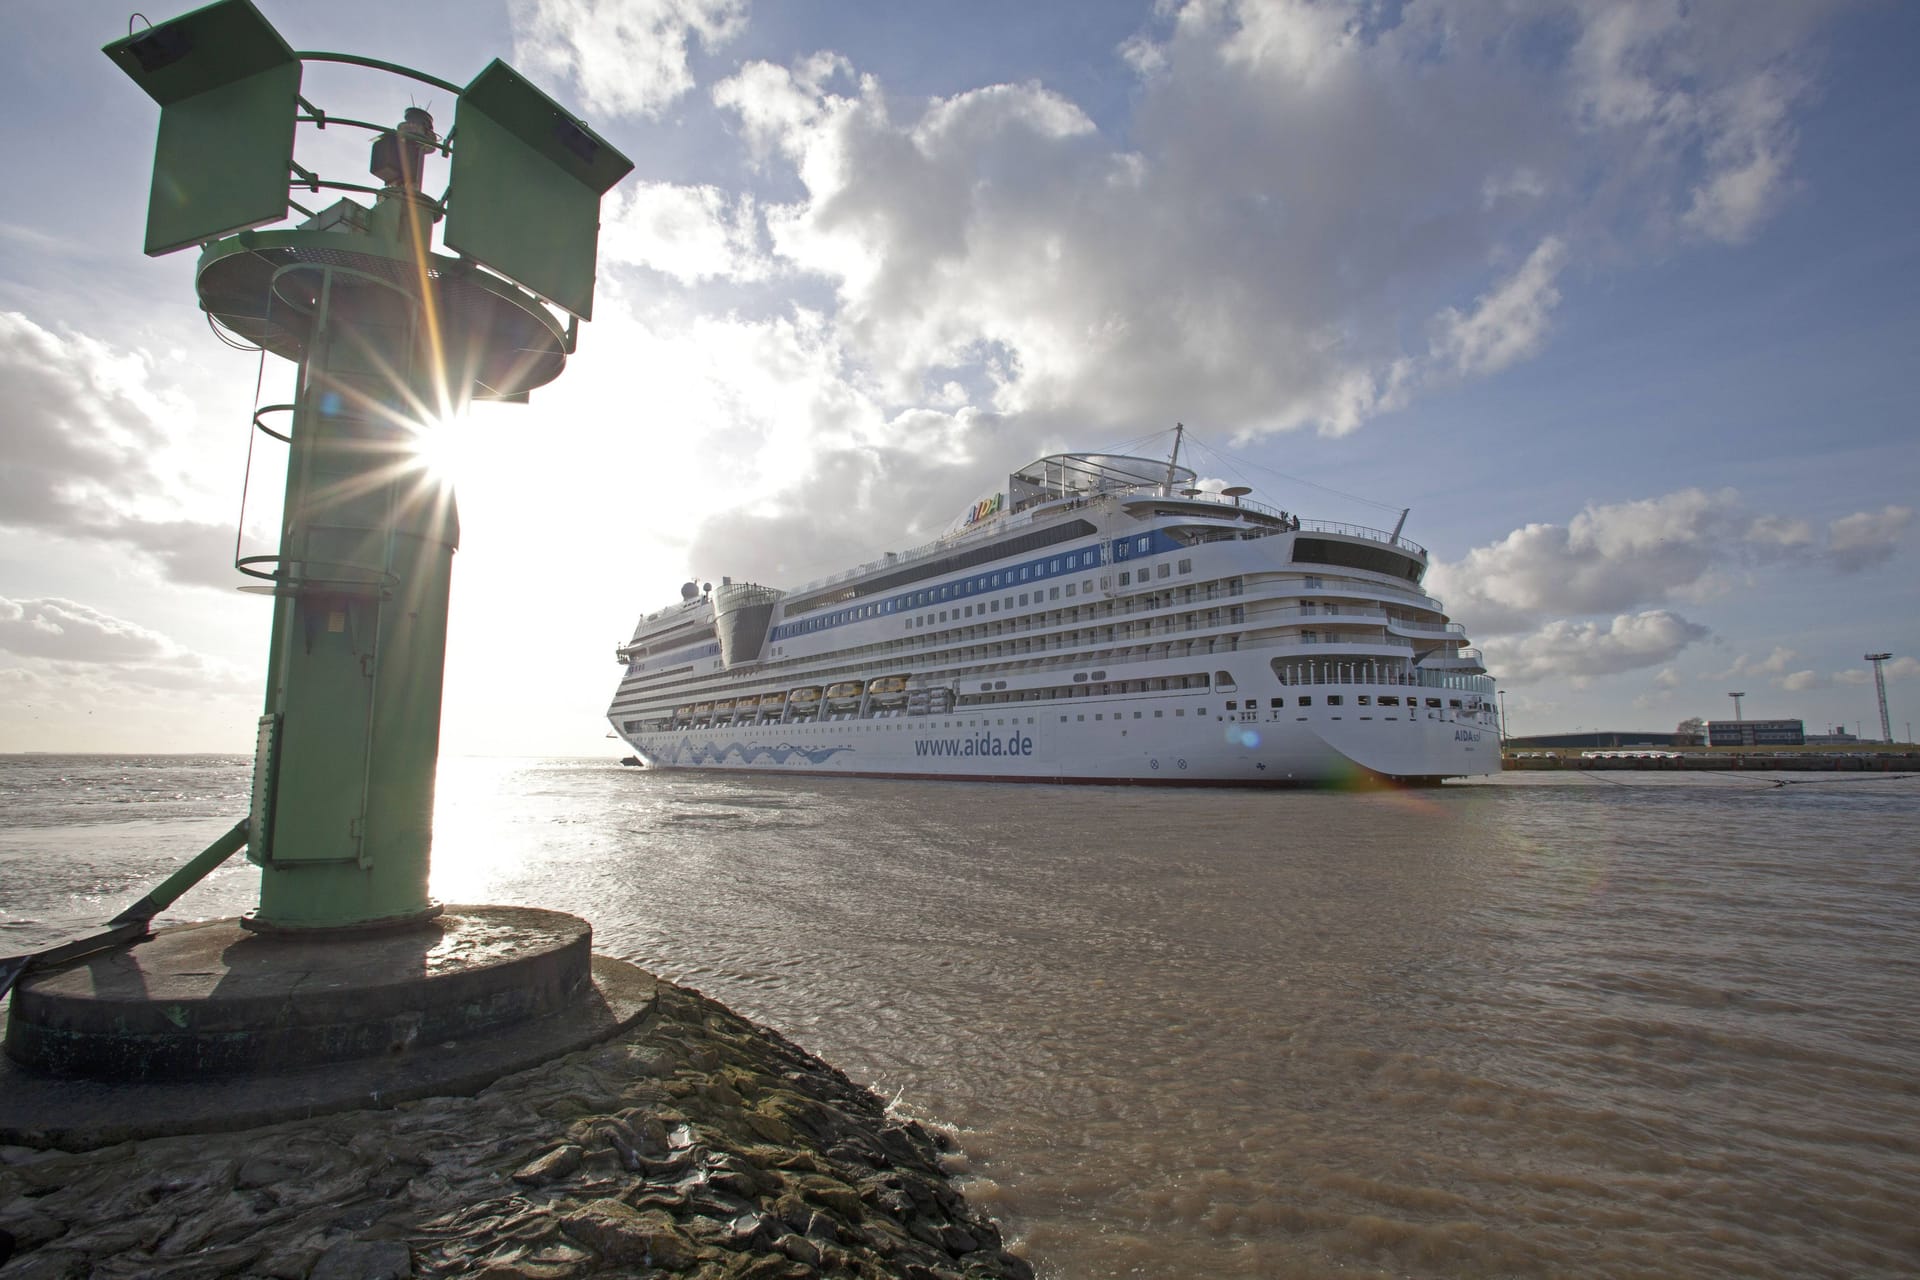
(1620, 300)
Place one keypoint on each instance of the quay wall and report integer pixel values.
(1881, 759)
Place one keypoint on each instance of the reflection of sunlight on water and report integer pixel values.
(479, 827)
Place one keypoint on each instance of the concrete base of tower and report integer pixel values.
(211, 1026)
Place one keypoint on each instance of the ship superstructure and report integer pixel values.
(1102, 619)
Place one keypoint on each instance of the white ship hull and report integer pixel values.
(1119, 632)
(1274, 748)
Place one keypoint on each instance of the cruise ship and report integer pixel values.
(1103, 619)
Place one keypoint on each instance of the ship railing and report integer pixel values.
(1452, 630)
(1342, 673)
(1362, 531)
(1331, 612)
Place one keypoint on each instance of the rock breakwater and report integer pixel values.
(697, 1145)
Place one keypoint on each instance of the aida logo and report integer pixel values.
(1466, 735)
(986, 507)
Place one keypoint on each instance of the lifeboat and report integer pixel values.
(844, 694)
(701, 710)
(723, 708)
(805, 697)
(774, 702)
(683, 713)
(888, 691)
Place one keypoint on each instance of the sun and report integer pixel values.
(442, 447)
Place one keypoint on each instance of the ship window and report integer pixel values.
(1179, 711)
(1081, 718)
(1099, 675)
(1165, 570)
(994, 607)
(1141, 544)
(1232, 706)
(1224, 681)
(1307, 702)
(1091, 558)
(1125, 577)
(982, 581)
(1053, 593)
(1158, 714)
(1365, 700)
(1433, 702)
(1026, 572)
(996, 579)
(1079, 677)
(1098, 716)
(1389, 700)
(1023, 598)
(1069, 588)
(1186, 566)
(1454, 703)
(1087, 586)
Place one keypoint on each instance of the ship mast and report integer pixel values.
(1179, 429)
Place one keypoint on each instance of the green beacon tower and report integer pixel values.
(389, 336)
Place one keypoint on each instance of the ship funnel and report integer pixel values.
(742, 615)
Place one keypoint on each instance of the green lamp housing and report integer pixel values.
(228, 88)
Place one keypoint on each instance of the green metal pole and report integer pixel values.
(352, 725)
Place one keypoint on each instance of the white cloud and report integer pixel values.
(68, 644)
(1773, 664)
(1801, 681)
(76, 460)
(1699, 99)
(1618, 556)
(1318, 212)
(1509, 322)
(1747, 150)
(692, 233)
(1567, 650)
(1526, 594)
(628, 57)
(1867, 537)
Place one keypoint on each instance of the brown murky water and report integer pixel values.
(1544, 1026)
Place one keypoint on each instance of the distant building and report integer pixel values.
(1605, 739)
(1756, 733)
(1832, 738)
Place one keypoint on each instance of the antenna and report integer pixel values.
(1880, 687)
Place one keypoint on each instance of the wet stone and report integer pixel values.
(364, 1260)
(764, 1165)
(551, 1167)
